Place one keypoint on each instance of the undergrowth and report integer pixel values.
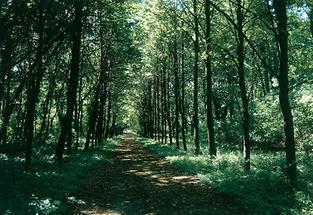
(50, 187)
(263, 191)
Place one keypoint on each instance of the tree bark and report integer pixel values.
(158, 109)
(195, 79)
(282, 37)
(108, 118)
(92, 117)
(209, 93)
(66, 130)
(242, 85)
(183, 108)
(32, 90)
(176, 88)
(168, 112)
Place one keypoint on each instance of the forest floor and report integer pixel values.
(136, 181)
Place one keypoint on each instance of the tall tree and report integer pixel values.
(176, 89)
(208, 68)
(66, 130)
(195, 78)
(280, 7)
(33, 87)
(242, 84)
(183, 93)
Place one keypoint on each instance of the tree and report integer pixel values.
(33, 87)
(208, 67)
(282, 40)
(195, 78)
(66, 130)
(242, 85)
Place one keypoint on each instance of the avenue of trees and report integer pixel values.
(222, 90)
(199, 75)
(236, 73)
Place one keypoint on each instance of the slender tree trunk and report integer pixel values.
(195, 77)
(5, 67)
(150, 108)
(92, 117)
(32, 91)
(76, 125)
(162, 105)
(183, 108)
(100, 125)
(155, 108)
(281, 11)
(165, 102)
(158, 108)
(168, 112)
(113, 126)
(310, 5)
(176, 88)
(242, 85)
(66, 124)
(108, 120)
(45, 115)
(209, 93)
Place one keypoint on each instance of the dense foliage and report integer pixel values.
(234, 68)
(65, 70)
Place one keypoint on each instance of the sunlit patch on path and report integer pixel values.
(135, 181)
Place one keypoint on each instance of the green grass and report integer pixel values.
(263, 191)
(50, 187)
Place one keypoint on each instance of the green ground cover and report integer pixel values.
(263, 191)
(50, 187)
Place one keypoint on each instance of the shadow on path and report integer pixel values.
(135, 181)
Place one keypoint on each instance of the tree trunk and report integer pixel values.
(176, 88)
(165, 102)
(282, 37)
(209, 94)
(310, 5)
(92, 117)
(183, 108)
(45, 115)
(168, 112)
(195, 79)
(158, 108)
(242, 85)
(154, 108)
(32, 90)
(108, 119)
(66, 124)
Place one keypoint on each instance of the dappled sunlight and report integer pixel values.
(47, 205)
(225, 173)
(139, 182)
(4, 157)
(99, 212)
(150, 167)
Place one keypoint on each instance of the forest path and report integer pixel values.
(136, 181)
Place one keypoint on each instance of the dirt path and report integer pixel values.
(137, 182)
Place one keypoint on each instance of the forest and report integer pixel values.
(156, 107)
